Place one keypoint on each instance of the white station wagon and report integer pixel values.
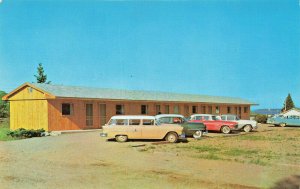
(125, 127)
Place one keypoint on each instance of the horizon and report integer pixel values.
(242, 49)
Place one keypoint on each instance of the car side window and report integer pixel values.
(230, 118)
(134, 122)
(165, 120)
(148, 122)
(121, 121)
(206, 117)
(223, 117)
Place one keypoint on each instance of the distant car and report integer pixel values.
(283, 121)
(125, 127)
(213, 123)
(190, 129)
(245, 125)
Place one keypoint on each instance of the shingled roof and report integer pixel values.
(120, 94)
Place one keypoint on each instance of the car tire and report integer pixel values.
(198, 134)
(282, 124)
(247, 128)
(225, 129)
(171, 137)
(121, 138)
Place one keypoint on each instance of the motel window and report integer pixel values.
(157, 109)
(89, 114)
(119, 109)
(217, 109)
(245, 109)
(209, 109)
(66, 109)
(186, 110)
(144, 109)
(176, 110)
(236, 110)
(167, 109)
(195, 109)
(228, 109)
(240, 110)
(203, 109)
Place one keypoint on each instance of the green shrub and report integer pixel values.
(261, 118)
(23, 133)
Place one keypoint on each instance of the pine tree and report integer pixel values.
(288, 103)
(41, 77)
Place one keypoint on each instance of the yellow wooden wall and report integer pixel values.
(28, 110)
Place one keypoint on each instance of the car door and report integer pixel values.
(150, 130)
(134, 129)
(210, 124)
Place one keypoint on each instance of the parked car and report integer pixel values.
(213, 123)
(124, 127)
(245, 125)
(283, 121)
(190, 128)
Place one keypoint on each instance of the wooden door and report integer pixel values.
(102, 113)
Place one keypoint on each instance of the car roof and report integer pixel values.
(168, 115)
(132, 117)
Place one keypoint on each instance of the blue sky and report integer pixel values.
(248, 49)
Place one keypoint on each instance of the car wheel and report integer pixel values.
(121, 138)
(198, 134)
(225, 129)
(171, 137)
(282, 124)
(247, 128)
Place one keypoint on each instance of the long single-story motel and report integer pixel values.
(58, 107)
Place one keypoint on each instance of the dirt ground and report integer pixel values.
(85, 160)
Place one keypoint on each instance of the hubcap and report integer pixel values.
(197, 134)
(171, 138)
(247, 128)
(226, 129)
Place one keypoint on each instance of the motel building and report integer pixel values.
(59, 107)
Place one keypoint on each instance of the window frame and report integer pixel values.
(71, 109)
(145, 112)
(122, 112)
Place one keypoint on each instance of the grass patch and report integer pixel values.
(252, 137)
(258, 161)
(203, 148)
(240, 152)
(4, 129)
(208, 156)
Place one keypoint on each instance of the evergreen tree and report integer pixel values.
(288, 103)
(41, 77)
(4, 106)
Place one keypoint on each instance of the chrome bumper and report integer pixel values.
(103, 134)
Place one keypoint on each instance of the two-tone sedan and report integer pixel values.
(214, 123)
(190, 128)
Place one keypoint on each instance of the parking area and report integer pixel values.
(85, 160)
